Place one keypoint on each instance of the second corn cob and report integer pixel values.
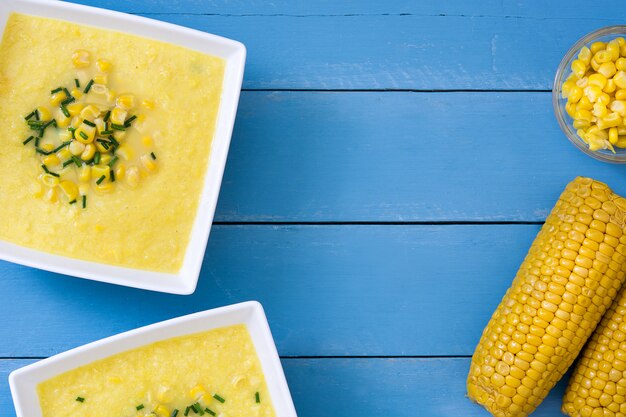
(569, 278)
(597, 388)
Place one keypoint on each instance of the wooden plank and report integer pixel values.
(402, 387)
(327, 290)
(310, 156)
(506, 9)
(396, 51)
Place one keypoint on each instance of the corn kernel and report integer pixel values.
(57, 98)
(147, 141)
(161, 411)
(80, 58)
(607, 69)
(148, 104)
(89, 112)
(120, 171)
(613, 137)
(148, 162)
(618, 106)
(36, 190)
(584, 104)
(125, 101)
(51, 195)
(76, 148)
(101, 79)
(49, 180)
(593, 92)
(610, 86)
(125, 152)
(583, 115)
(47, 147)
(118, 115)
(598, 80)
(51, 160)
(196, 392)
(584, 54)
(599, 110)
(98, 171)
(69, 189)
(602, 56)
(597, 46)
(104, 65)
(99, 89)
(611, 120)
(613, 49)
(64, 154)
(84, 173)
(579, 68)
(620, 79)
(132, 177)
(581, 124)
(85, 133)
(88, 153)
(575, 94)
(105, 158)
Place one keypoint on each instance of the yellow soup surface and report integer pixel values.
(216, 370)
(142, 221)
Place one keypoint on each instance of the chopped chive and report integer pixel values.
(88, 123)
(56, 90)
(257, 398)
(77, 82)
(113, 141)
(77, 161)
(41, 151)
(107, 115)
(84, 201)
(30, 115)
(104, 143)
(174, 413)
(99, 182)
(187, 410)
(197, 408)
(28, 140)
(45, 168)
(218, 398)
(118, 127)
(37, 114)
(67, 93)
(112, 175)
(208, 410)
(68, 162)
(37, 141)
(153, 155)
(66, 113)
(113, 161)
(54, 174)
(73, 201)
(89, 84)
(139, 407)
(106, 132)
(71, 129)
(84, 135)
(96, 158)
(129, 121)
(61, 146)
(80, 399)
(67, 101)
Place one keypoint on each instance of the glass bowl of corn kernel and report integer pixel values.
(589, 94)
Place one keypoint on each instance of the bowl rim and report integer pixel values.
(23, 381)
(563, 67)
(183, 282)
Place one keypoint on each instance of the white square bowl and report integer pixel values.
(234, 53)
(24, 381)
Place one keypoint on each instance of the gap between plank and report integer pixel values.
(378, 223)
(6, 358)
(394, 90)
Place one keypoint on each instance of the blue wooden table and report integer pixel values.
(390, 166)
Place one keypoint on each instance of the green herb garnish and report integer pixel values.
(208, 410)
(113, 141)
(73, 202)
(117, 127)
(66, 113)
(77, 83)
(83, 135)
(67, 101)
(107, 115)
(139, 407)
(153, 155)
(80, 399)
(174, 413)
(129, 121)
(187, 410)
(257, 398)
(84, 201)
(112, 175)
(77, 161)
(99, 182)
(113, 161)
(31, 115)
(89, 84)
(56, 90)
(68, 162)
(28, 140)
(218, 398)
(96, 158)
(88, 123)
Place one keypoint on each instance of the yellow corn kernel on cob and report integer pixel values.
(569, 278)
(598, 385)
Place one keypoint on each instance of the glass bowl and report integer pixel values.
(565, 121)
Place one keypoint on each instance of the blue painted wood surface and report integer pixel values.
(347, 194)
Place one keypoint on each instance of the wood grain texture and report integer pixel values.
(371, 156)
(392, 51)
(327, 290)
(402, 387)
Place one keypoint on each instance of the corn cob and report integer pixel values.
(569, 278)
(598, 385)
